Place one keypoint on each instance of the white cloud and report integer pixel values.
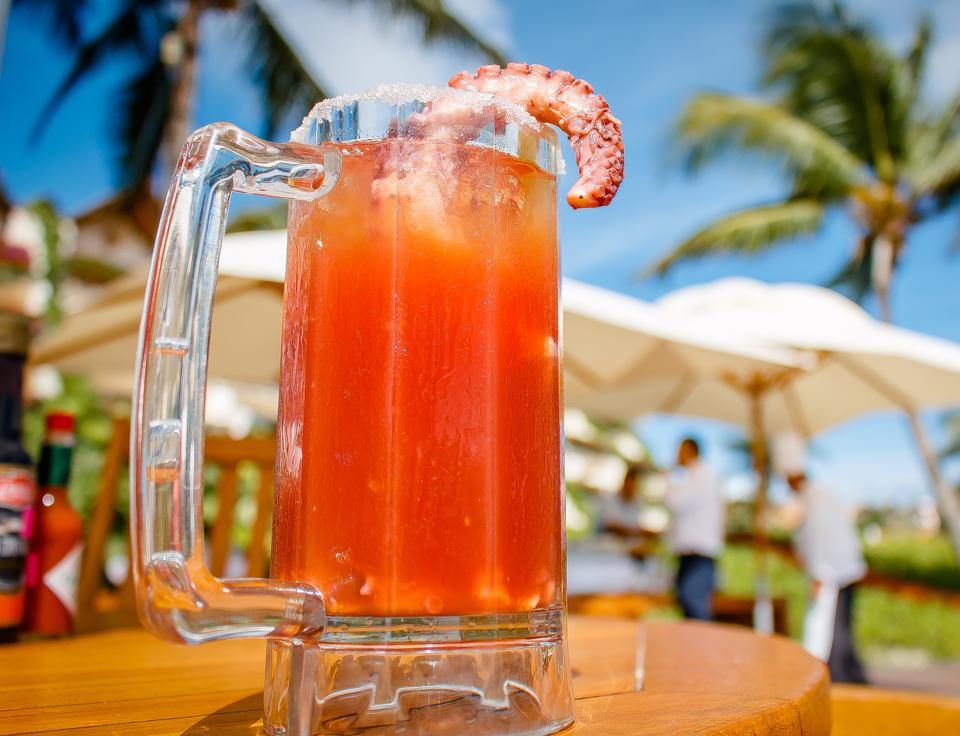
(350, 47)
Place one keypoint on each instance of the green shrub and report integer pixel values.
(881, 619)
(884, 620)
(926, 560)
(738, 571)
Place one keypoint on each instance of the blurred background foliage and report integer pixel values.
(94, 429)
(882, 620)
(929, 560)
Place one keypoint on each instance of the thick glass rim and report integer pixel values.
(384, 112)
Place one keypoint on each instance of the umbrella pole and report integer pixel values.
(763, 605)
(947, 501)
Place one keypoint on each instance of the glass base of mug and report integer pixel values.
(490, 674)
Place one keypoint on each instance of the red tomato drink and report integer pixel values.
(419, 431)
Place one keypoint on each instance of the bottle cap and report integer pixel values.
(59, 421)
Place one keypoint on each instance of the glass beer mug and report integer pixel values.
(417, 566)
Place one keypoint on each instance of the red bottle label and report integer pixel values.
(17, 491)
(61, 579)
(17, 487)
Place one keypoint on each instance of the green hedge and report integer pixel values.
(927, 560)
(881, 619)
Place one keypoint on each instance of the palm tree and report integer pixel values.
(951, 423)
(846, 124)
(155, 102)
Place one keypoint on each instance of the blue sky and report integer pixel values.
(647, 58)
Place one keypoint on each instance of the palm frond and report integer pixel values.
(952, 425)
(915, 62)
(92, 270)
(747, 231)
(285, 84)
(439, 24)
(271, 217)
(933, 168)
(63, 17)
(952, 449)
(855, 278)
(5, 204)
(938, 173)
(714, 124)
(123, 32)
(46, 213)
(835, 73)
(947, 122)
(143, 111)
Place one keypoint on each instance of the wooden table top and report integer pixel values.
(698, 678)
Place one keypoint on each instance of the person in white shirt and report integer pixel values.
(827, 543)
(620, 514)
(695, 500)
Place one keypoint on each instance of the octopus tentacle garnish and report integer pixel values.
(558, 98)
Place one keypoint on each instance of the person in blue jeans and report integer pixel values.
(695, 500)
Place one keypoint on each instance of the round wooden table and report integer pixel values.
(697, 679)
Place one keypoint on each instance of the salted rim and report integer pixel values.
(401, 93)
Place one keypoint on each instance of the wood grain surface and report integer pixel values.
(698, 679)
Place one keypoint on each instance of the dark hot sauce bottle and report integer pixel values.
(17, 479)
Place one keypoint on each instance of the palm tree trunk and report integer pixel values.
(883, 302)
(181, 102)
(882, 274)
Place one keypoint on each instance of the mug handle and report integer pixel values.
(178, 598)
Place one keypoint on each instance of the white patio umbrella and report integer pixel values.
(624, 358)
(100, 341)
(862, 366)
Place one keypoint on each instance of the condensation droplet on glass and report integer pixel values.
(318, 243)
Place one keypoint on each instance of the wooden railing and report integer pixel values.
(101, 607)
